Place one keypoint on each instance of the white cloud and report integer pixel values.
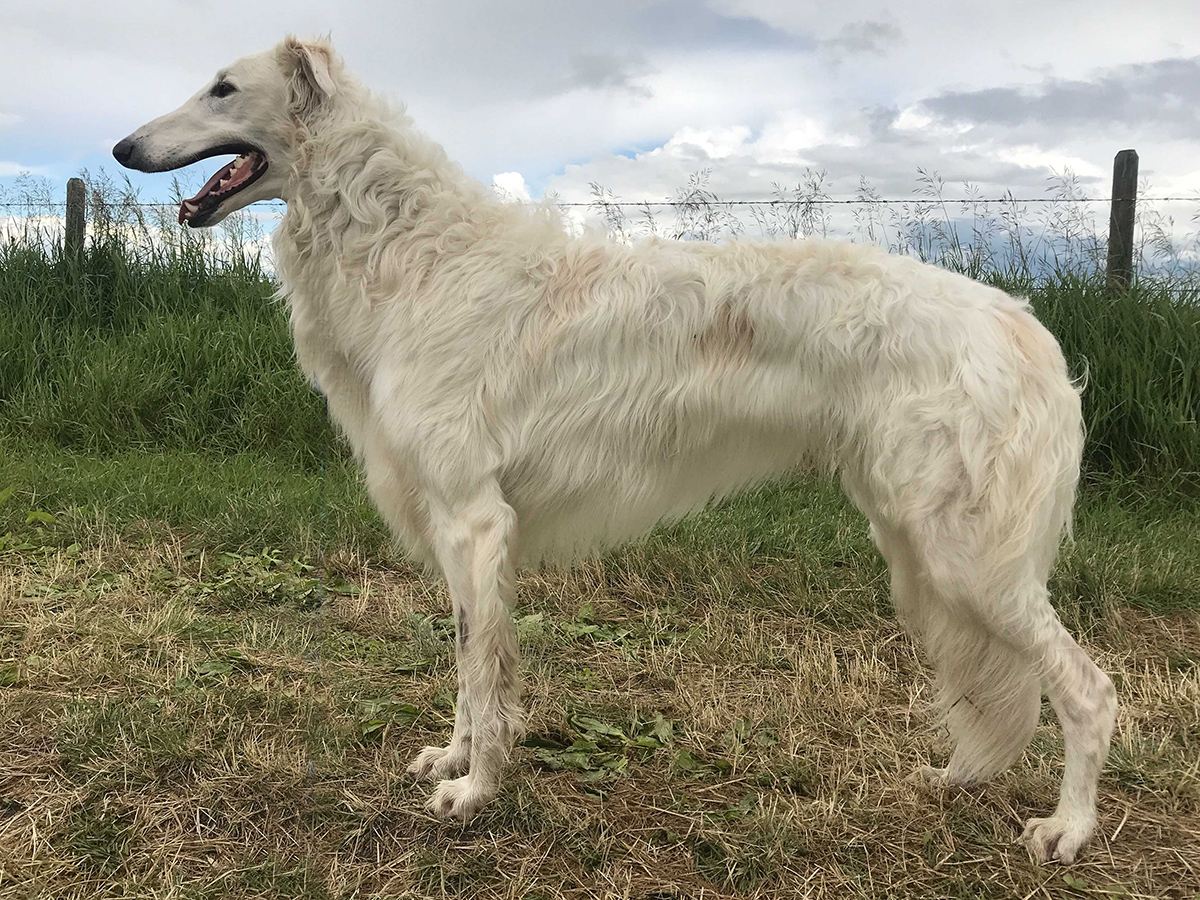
(912, 119)
(787, 137)
(915, 120)
(9, 169)
(1034, 157)
(633, 95)
(703, 145)
(511, 186)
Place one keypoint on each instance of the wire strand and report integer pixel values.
(865, 201)
(774, 201)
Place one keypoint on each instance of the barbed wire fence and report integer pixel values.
(972, 233)
(637, 204)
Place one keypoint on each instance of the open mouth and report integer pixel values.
(235, 177)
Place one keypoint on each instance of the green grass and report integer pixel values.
(174, 352)
(118, 354)
(239, 501)
(1139, 356)
(1134, 545)
(213, 672)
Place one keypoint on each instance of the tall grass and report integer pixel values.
(112, 352)
(1139, 356)
(157, 339)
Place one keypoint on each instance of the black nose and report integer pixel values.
(123, 152)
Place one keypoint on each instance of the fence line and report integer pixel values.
(772, 201)
(1119, 269)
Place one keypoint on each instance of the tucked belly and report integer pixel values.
(571, 503)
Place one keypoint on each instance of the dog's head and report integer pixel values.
(250, 108)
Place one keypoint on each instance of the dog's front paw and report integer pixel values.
(1057, 839)
(928, 776)
(440, 762)
(459, 798)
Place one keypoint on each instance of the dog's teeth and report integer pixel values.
(237, 163)
(191, 207)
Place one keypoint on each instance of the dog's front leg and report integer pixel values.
(476, 547)
(453, 759)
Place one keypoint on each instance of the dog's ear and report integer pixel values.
(309, 68)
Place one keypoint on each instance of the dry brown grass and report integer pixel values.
(188, 725)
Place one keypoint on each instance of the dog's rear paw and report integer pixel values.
(1057, 839)
(440, 762)
(459, 798)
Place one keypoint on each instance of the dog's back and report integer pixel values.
(623, 384)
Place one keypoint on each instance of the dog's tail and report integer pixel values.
(988, 696)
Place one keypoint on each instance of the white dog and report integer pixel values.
(515, 393)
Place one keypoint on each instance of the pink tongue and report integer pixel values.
(240, 175)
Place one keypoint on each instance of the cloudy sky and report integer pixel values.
(638, 94)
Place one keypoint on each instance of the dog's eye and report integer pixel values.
(222, 89)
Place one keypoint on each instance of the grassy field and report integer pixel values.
(728, 709)
(213, 669)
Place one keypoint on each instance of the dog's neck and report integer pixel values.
(368, 180)
(373, 166)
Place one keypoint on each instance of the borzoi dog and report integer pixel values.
(516, 393)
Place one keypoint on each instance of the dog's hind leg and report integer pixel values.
(994, 650)
(475, 544)
(1085, 701)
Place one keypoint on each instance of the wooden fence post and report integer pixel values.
(1120, 220)
(76, 221)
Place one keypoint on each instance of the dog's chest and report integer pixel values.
(325, 360)
(324, 356)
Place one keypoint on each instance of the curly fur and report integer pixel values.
(516, 393)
